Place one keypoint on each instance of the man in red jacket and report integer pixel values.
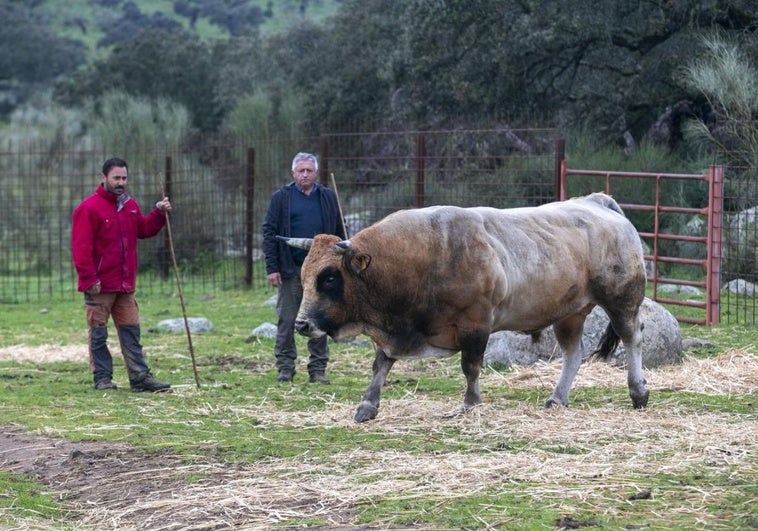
(104, 236)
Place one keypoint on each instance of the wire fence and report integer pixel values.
(739, 265)
(220, 186)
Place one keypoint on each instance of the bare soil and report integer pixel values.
(110, 485)
(87, 474)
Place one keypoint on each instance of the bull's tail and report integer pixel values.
(607, 345)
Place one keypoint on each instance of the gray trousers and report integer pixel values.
(287, 305)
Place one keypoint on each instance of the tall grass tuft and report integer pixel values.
(728, 79)
(726, 76)
(273, 126)
(119, 119)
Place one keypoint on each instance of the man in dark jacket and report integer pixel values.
(104, 236)
(300, 209)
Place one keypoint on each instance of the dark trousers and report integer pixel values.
(287, 305)
(125, 312)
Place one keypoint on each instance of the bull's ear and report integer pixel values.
(359, 262)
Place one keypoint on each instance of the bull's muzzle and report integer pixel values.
(304, 327)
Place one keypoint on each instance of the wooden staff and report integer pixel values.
(179, 287)
(339, 207)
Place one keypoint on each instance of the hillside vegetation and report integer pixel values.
(614, 67)
(92, 21)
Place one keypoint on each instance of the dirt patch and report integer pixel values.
(83, 474)
(44, 353)
(110, 485)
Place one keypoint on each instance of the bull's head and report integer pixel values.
(327, 285)
(356, 261)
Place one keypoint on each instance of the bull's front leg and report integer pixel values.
(638, 392)
(369, 406)
(472, 358)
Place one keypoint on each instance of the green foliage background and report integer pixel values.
(615, 65)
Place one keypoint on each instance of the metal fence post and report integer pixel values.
(250, 216)
(715, 213)
(560, 155)
(562, 181)
(420, 156)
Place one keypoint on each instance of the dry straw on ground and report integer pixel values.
(733, 371)
(598, 457)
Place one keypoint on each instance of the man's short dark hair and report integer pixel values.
(109, 164)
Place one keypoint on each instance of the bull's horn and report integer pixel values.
(343, 246)
(300, 243)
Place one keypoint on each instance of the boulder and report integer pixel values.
(196, 324)
(672, 289)
(263, 331)
(696, 226)
(739, 286)
(661, 341)
(357, 221)
(740, 250)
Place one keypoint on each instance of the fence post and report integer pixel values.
(713, 267)
(250, 217)
(563, 178)
(560, 156)
(420, 161)
(164, 255)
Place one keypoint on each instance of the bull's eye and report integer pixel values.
(329, 282)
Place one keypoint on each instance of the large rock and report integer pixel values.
(696, 226)
(357, 221)
(740, 286)
(661, 341)
(264, 330)
(196, 324)
(740, 250)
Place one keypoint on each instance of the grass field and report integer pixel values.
(242, 451)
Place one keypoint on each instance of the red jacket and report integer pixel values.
(104, 241)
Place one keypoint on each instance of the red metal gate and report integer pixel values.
(712, 240)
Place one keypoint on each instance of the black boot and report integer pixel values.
(318, 377)
(148, 383)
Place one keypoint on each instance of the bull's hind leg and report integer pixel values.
(568, 332)
(629, 329)
(369, 406)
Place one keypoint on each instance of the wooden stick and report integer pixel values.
(339, 207)
(181, 295)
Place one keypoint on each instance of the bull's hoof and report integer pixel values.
(469, 406)
(366, 411)
(554, 402)
(639, 400)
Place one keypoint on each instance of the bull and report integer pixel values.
(435, 281)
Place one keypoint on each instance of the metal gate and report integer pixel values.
(712, 212)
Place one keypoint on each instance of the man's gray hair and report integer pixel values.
(305, 156)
